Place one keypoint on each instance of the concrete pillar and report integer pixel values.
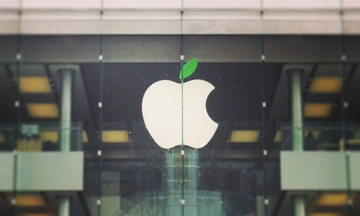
(297, 128)
(299, 205)
(64, 206)
(297, 109)
(260, 211)
(65, 130)
(66, 88)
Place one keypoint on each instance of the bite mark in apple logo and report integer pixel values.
(175, 113)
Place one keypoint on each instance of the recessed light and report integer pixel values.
(52, 136)
(244, 136)
(317, 110)
(34, 85)
(85, 137)
(326, 85)
(43, 110)
(115, 136)
(325, 214)
(333, 199)
(2, 138)
(29, 200)
(36, 214)
(316, 133)
(277, 138)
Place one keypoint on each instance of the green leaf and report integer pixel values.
(189, 68)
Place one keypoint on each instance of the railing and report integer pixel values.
(323, 136)
(37, 137)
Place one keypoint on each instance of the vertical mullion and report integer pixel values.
(100, 107)
(182, 112)
(18, 105)
(100, 147)
(263, 116)
(262, 58)
(343, 100)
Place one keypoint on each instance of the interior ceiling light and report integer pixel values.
(244, 136)
(2, 138)
(52, 136)
(315, 133)
(35, 85)
(43, 110)
(326, 85)
(29, 200)
(325, 214)
(333, 199)
(277, 138)
(357, 134)
(88, 155)
(317, 110)
(85, 137)
(36, 214)
(115, 136)
(353, 141)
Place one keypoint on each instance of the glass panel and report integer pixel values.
(351, 89)
(303, 88)
(9, 122)
(322, 110)
(135, 174)
(131, 126)
(351, 117)
(276, 108)
(91, 74)
(60, 111)
(8, 93)
(230, 174)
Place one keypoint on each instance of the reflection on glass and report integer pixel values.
(159, 143)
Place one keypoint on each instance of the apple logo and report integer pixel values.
(165, 118)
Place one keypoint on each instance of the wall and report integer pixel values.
(164, 17)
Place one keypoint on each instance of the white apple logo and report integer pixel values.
(165, 118)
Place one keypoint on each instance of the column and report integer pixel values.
(65, 130)
(297, 129)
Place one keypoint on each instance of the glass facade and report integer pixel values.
(272, 95)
